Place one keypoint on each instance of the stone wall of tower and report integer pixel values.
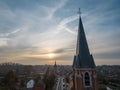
(78, 79)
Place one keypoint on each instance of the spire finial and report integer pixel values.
(79, 12)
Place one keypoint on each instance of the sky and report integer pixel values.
(41, 31)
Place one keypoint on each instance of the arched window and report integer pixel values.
(87, 79)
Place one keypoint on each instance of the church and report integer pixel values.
(84, 72)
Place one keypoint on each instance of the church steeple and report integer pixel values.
(83, 58)
(84, 73)
(55, 64)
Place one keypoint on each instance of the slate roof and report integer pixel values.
(83, 58)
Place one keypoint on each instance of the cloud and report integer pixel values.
(103, 34)
(3, 42)
(8, 34)
(114, 54)
(30, 30)
(68, 20)
(63, 24)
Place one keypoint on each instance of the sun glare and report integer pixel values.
(50, 55)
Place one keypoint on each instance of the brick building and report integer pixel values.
(84, 71)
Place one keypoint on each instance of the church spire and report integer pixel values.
(84, 73)
(55, 64)
(79, 12)
(81, 39)
(83, 58)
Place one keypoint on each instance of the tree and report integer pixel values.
(10, 80)
(49, 79)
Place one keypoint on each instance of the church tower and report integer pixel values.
(55, 64)
(84, 77)
(55, 68)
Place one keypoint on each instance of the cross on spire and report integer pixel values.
(79, 12)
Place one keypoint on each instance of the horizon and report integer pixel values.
(52, 64)
(42, 32)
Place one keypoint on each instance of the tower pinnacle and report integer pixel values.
(79, 12)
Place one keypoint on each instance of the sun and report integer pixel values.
(51, 55)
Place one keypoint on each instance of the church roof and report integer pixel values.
(83, 58)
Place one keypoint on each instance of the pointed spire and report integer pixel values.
(55, 64)
(83, 59)
(81, 39)
(79, 12)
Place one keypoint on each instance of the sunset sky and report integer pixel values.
(42, 31)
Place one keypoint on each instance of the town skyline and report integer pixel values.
(40, 32)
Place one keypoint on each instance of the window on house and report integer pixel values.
(87, 79)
